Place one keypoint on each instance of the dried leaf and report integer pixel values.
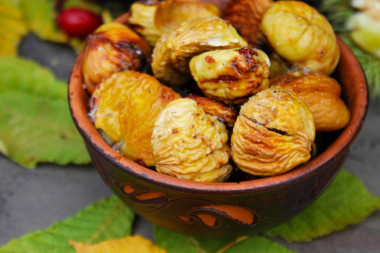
(35, 122)
(127, 244)
(106, 219)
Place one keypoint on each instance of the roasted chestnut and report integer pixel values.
(176, 47)
(151, 21)
(321, 94)
(231, 75)
(113, 47)
(302, 36)
(124, 109)
(245, 16)
(190, 144)
(273, 133)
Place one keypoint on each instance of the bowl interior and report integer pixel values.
(348, 73)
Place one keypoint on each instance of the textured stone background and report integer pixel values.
(34, 199)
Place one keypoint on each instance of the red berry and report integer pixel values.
(78, 22)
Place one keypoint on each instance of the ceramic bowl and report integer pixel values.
(231, 208)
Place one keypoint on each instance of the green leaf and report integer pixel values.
(346, 201)
(180, 243)
(175, 242)
(35, 121)
(12, 28)
(257, 244)
(106, 219)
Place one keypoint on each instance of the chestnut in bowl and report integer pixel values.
(230, 208)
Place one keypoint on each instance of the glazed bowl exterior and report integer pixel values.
(222, 209)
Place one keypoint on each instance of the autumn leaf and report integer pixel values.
(12, 28)
(39, 16)
(3, 149)
(35, 121)
(134, 243)
(104, 220)
(346, 201)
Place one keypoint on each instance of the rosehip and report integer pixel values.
(78, 22)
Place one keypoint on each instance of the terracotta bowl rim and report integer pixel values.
(339, 146)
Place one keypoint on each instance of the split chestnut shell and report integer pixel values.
(273, 133)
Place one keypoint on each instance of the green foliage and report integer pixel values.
(106, 219)
(345, 202)
(35, 121)
(337, 12)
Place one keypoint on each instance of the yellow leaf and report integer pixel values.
(127, 244)
(3, 148)
(367, 40)
(12, 28)
(39, 16)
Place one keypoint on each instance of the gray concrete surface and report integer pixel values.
(34, 199)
